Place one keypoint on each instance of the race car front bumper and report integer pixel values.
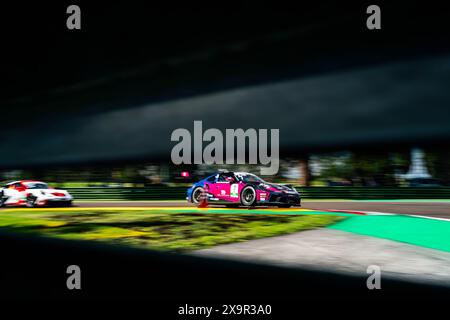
(55, 202)
(284, 198)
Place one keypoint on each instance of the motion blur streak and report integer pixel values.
(371, 105)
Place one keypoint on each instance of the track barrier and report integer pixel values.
(179, 193)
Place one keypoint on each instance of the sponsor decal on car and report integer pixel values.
(234, 190)
(262, 197)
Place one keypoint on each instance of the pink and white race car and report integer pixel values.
(242, 188)
(32, 194)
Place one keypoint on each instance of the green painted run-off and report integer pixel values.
(429, 233)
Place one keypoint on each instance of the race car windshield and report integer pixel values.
(36, 185)
(250, 178)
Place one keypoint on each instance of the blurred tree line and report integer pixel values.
(438, 164)
(356, 168)
(361, 168)
(378, 168)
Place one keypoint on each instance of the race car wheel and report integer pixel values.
(197, 195)
(31, 201)
(2, 200)
(68, 204)
(248, 196)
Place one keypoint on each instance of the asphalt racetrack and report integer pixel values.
(431, 208)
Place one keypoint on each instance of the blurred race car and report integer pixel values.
(32, 194)
(242, 188)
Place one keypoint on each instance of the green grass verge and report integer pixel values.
(159, 229)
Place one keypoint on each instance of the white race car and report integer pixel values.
(32, 193)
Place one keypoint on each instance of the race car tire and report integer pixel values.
(248, 196)
(67, 204)
(31, 201)
(196, 195)
(2, 199)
